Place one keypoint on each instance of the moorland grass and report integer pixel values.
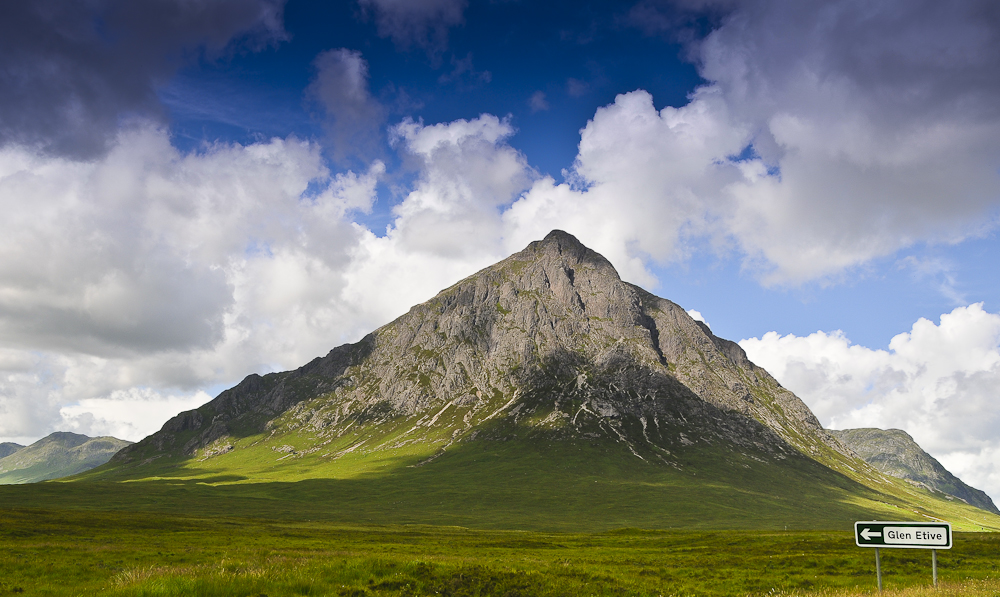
(966, 588)
(72, 552)
(492, 518)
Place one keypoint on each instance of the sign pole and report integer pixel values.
(934, 565)
(878, 570)
(905, 535)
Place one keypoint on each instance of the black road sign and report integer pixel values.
(908, 535)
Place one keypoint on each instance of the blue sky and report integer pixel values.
(579, 56)
(196, 191)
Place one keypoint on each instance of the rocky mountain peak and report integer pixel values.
(549, 341)
(545, 369)
(563, 246)
(67, 439)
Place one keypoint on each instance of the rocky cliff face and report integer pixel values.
(894, 453)
(549, 342)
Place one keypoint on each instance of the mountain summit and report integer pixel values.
(545, 360)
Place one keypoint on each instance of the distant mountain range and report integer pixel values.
(542, 388)
(58, 455)
(895, 453)
(8, 448)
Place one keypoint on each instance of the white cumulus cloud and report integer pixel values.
(130, 284)
(152, 268)
(132, 413)
(450, 224)
(938, 382)
(828, 134)
(644, 183)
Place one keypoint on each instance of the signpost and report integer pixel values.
(906, 535)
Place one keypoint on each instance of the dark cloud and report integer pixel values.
(420, 23)
(681, 20)
(576, 87)
(464, 74)
(537, 102)
(911, 58)
(73, 72)
(156, 302)
(353, 118)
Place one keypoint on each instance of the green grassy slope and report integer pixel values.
(519, 475)
(895, 453)
(533, 483)
(57, 455)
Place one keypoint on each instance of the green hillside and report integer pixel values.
(527, 484)
(894, 453)
(57, 455)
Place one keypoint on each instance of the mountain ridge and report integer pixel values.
(8, 448)
(59, 454)
(894, 452)
(545, 353)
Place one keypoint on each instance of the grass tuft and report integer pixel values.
(988, 587)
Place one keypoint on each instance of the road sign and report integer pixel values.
(908, 535)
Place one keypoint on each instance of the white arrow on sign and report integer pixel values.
(867, 534)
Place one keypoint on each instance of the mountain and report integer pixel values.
(8, 448)
(58, 455)
(542, 390)
(550, 338)
(894, 452)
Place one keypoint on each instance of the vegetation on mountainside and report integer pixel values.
(57, 455)
(8, 448)
(531, 483)
(59, 552)
(895, 453)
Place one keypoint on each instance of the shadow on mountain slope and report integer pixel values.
(532, 483)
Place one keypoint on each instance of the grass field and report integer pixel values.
(60, 552)
(503, 519)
